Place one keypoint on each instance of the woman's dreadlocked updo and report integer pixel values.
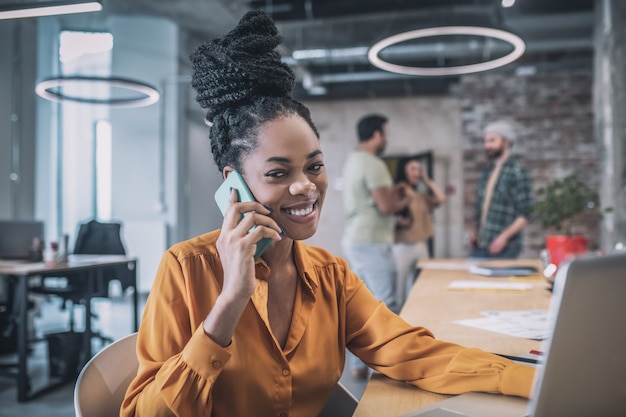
(242, 83)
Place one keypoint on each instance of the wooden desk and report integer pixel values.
(92, 266)
(431, 305)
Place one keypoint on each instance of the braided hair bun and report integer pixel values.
(242, 65)
(242, 83)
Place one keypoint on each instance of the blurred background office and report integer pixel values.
(150, 167)
(126, 142)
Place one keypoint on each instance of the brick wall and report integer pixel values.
(556, 137)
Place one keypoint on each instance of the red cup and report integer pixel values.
(561, 247)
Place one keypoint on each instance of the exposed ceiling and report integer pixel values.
(558, 34)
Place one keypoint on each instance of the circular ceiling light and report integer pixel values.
(518, 50)
(146, 96)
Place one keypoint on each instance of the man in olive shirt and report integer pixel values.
(370, 201)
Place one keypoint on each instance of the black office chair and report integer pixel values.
(94, 238)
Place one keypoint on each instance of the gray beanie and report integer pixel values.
(504, 128)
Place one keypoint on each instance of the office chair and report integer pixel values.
(102, 383)
(95, 238)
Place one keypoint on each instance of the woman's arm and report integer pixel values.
(391, 346)
(440, 196)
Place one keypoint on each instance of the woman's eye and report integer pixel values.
(275, 174)
(317, 167)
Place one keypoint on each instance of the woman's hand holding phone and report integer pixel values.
(237, 245)
(247, 231)
(222, 198)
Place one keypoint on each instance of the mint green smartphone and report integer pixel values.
(222, 197)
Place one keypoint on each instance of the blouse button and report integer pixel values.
(217, 364)
(286, 372)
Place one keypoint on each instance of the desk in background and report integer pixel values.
(432, 305)
(92, 266)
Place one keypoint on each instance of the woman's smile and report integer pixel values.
(301, 212)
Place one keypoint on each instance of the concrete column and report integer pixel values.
(610, 115)
(17, 118)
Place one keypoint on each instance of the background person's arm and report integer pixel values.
(500, 242)
(389, 200)
(440, 196)
(523, 203)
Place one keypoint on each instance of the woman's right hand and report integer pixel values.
(237, 247)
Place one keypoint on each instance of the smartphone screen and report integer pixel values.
(222, 197)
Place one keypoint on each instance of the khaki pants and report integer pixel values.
(406, 256)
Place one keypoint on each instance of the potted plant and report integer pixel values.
(561, 205)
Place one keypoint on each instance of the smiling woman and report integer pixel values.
(225, 334)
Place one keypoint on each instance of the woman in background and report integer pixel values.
(226, 335)
(414, 226)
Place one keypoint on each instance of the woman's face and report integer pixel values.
(413, 172)
(286, 173)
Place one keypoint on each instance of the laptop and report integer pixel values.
(584, 373)
(16, 238)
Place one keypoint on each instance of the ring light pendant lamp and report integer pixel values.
(515, 41)
(144, 94)
(20, 9)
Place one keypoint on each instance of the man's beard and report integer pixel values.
(495, 154)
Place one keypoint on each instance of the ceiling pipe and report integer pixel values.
(364, 76)
(434, 50)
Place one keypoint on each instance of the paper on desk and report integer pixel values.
(528, 324)
(463, 266)
(489, 285)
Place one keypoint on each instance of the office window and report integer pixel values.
(85, 133)
(76, 45)
(103, 161)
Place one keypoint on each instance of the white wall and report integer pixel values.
(144, 140)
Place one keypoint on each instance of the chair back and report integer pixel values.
(95, 238)
(102, 383)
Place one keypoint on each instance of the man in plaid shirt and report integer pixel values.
(503, 197)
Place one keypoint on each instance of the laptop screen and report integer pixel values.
(16, 237)
(585, 369)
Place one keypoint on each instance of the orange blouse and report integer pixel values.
(182, 372)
